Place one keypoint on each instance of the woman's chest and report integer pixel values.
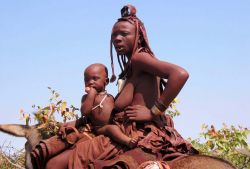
(140, 89)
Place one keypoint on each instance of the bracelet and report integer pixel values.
(161, 106)
(155, 110)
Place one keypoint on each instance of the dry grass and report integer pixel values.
(11, 158)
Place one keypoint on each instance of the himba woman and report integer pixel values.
(139, 106)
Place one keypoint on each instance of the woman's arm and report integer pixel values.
(176, 75)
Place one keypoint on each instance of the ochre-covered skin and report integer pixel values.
(142, 72)
(97, 105)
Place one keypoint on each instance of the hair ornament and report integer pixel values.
(128, 10)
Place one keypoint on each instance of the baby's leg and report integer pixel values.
(117, 135)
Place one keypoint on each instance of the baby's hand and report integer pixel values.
(89, 90)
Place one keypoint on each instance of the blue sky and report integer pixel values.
(49, 43)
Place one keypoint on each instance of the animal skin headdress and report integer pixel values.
(128, 13)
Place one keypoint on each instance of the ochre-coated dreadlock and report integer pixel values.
(128, 13)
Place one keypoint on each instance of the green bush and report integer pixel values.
(229, 143)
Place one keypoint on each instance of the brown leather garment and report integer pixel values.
(55, 145)
(162, 143)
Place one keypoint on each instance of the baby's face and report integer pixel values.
(95, 76)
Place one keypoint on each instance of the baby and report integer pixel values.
(97, 105)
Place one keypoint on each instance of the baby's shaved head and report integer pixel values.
(97, 65)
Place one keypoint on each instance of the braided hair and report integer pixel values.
(128, 13)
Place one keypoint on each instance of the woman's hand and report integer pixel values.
(138, 113)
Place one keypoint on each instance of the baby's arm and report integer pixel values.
(88, 101)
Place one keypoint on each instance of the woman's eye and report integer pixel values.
(113, 35)
(124, 33)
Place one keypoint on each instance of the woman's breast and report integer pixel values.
(138, 90)
(125, 97)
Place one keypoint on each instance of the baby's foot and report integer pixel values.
(133, 142)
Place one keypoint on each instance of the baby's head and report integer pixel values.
(96, 76)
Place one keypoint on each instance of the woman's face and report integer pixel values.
(123, 38)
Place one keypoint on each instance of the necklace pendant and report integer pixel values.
(121, 83)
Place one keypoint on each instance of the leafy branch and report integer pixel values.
(45, 116)
(229, 142)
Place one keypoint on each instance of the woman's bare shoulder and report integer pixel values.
(145, 62)
(141, 56)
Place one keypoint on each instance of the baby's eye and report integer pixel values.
(95, 78)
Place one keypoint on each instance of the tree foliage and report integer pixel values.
(229, 143)
(45, 115)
